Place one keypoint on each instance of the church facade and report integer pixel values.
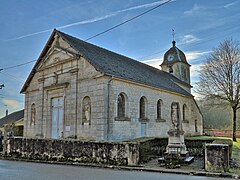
(79, 90)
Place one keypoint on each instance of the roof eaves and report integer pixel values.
(152, 85)
(33, 71)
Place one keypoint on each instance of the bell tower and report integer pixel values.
(175, 63)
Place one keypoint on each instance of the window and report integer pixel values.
(143, 104)
(184, 73)
(121, 106)
(159, 109)
(86, 110)
(33, 114)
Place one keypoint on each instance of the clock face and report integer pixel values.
(170, 57)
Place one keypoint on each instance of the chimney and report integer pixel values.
(6, 112)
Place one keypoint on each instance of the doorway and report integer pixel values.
(57, 117)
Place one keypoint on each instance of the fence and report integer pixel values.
(73, 151)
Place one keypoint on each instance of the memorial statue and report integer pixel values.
(87, 112)
(175, 116)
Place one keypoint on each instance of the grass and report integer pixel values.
(237, 144)
(236, 156)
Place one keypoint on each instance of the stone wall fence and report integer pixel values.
(117, 153)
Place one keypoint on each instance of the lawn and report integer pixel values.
(236, 156)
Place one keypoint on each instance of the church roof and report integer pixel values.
(113, 64)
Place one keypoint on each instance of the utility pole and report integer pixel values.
(2, 85)
(6, 109)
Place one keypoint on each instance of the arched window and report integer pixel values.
(33, 114)
(121, 104)
(159, 109)
(143, 106)
(184, 112)
(86, 110)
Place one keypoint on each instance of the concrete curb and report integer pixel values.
(132, 168)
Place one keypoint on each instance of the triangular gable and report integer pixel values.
(33, 71)
(54, 56)
(50, 55)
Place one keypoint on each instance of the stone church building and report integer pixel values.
(79, 90)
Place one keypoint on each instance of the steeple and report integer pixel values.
(173, 40)
(175, 62)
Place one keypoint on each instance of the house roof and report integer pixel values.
(113, 64)
(11, 118)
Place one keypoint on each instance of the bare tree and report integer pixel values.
(220, 77)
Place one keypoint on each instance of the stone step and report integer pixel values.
(188, 160)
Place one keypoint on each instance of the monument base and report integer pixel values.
(176, 151)
(176, 143)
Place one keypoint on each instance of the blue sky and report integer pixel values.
(27, 24)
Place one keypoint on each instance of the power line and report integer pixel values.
(13, 77)
(10, 67)
(124, 22)
(227, 29)
(103, 32)
(192, 45)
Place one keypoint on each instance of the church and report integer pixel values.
(81, 91)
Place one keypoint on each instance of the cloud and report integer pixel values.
(230, 4)
(12, 103)
(154, 62)
(195, 59)
(28, 35)
(194, 10)
(192, 57)
(194, 70)
(92, 20)
(195, 55)
(189, 38)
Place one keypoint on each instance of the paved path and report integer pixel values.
(11, 170)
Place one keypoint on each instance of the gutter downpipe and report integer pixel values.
(108, 107)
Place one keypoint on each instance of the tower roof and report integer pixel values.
(174, 55)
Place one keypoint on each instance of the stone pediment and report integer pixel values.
(54, 57)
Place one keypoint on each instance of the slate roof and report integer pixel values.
(178, 55)
(119, 66)
(11, 118)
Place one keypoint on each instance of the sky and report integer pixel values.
(25, 26)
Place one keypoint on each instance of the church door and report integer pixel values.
(57, 117)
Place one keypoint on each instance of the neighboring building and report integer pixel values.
(79, 90)
(13, 122)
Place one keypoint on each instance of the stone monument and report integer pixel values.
(176, 134)
(176, 152)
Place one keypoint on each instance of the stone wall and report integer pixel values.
(73, 151)
(217, 158)
(156, 147)
(130, 127)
